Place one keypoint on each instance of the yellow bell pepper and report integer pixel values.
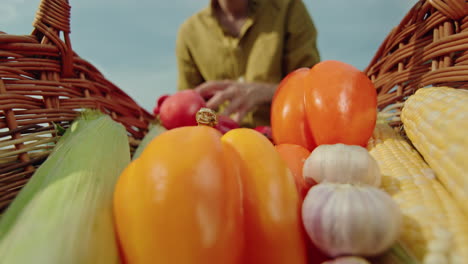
(271, 204)
(197, 197)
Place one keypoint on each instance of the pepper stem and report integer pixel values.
(206, 117)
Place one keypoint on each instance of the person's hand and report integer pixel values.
(242, 97)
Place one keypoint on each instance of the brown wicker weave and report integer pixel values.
(43, 82)
(428, 48)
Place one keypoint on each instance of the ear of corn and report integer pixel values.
(64, 213)
(436, 121)
(434, 227)
(153, 132)
(397, 254)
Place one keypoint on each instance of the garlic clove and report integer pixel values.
(342, 163)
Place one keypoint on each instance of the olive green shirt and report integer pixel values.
(278, 37)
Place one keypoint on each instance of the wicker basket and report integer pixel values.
(44, 83)
(428, 48)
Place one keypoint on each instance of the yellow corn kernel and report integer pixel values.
(436, 122)
(425, 204)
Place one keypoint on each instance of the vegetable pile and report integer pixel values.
(330, 182)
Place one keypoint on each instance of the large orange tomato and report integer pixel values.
(288, 117)
(340, 104)
(196, 197)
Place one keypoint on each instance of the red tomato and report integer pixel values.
(179, 109)
(225, 123)
(288, 118)
(265, 130)
(340, 104)
(159, 102)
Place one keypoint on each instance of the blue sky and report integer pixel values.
(132, 41)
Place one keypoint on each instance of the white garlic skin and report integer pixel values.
(344, 219)
(342, 163)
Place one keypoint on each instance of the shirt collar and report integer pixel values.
(252, 9)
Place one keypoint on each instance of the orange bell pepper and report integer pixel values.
(288, 115)
(271, 203)
(333, 102)
(180, 201)
(340, 104)
(195, 196)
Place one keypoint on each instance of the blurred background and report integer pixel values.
(132, 42)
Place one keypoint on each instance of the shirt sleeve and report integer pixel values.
(189, 75)
(301, 39)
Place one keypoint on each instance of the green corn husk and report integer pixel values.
(398, 254)
(154, 131)
(64, 215)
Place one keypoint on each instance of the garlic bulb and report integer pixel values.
(341, 163)
(345, 219)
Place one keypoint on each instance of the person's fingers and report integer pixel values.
(233, 106)
(219, 98)
(241, 113)
(208, 89)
